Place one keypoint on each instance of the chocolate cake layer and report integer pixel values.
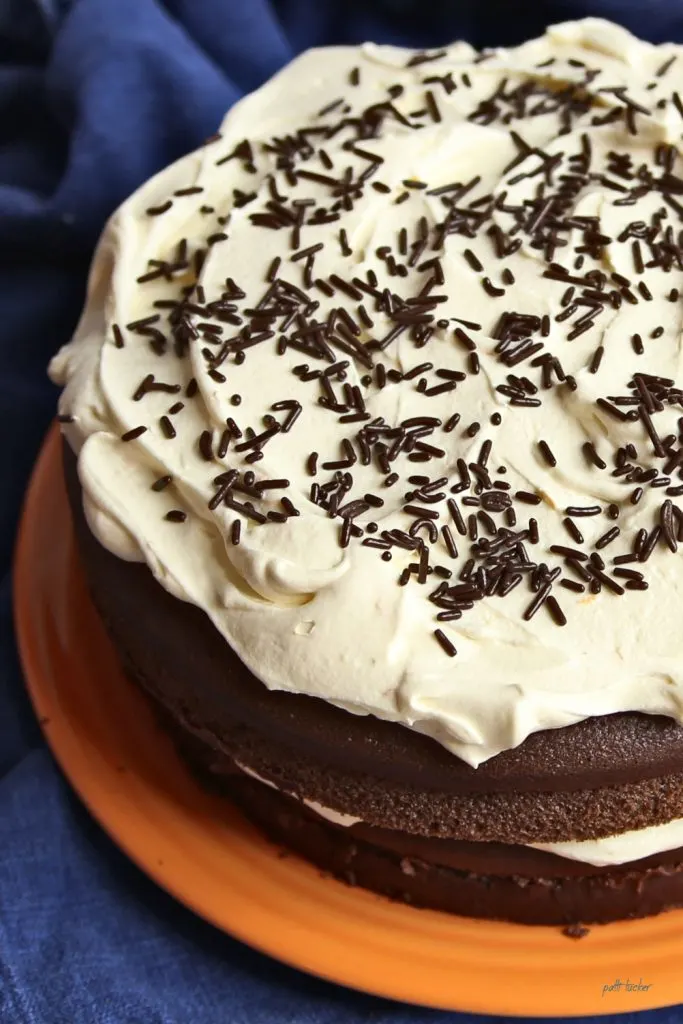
(485, 880)
(633, 891)
(490, 858)
(506, 817)
(499, 859)
(400, 780)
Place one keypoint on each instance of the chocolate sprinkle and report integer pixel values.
(583, 510)
(592, 456)
(573, 530)
(607, 538)
(473, 261)
(155, 211)
(528, 498)
(556, 612)
(547, 454)
(167, 428)
(205, 445)
(445, 643)
(131, 435)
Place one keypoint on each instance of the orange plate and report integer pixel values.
(201, 850)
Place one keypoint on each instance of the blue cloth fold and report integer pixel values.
(96, 95)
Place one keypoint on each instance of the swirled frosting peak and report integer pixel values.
(386, 378)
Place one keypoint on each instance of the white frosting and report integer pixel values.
(608, 851)
(304, 614)
(623, 848)
(336, 817)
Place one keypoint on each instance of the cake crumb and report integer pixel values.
(576, 931)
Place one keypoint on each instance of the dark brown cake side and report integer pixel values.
(596, 778)
(485, 880)
(636, 891)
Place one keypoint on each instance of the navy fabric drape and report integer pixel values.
(95, 95)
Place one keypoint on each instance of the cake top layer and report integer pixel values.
(387, 377)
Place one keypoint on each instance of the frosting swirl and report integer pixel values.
(385, 378)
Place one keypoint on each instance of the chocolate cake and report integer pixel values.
(374, 443)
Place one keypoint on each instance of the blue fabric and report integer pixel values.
(95, 95)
